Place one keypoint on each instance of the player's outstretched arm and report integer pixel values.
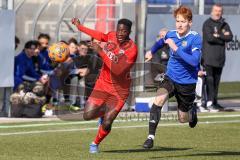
(158, 45)
(93, 33)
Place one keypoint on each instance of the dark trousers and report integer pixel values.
(90, 81)
(213, 79)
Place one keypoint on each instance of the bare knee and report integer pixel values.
(162, 96)
(91, 111)
(159, 101)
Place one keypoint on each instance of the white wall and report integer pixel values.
(7, 38)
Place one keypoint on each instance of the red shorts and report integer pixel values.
(107, 94)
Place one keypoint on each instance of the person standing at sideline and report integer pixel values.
(216, 32)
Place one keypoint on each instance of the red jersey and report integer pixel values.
(118, 59)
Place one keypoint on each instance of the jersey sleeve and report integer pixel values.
(159, 44)
(197, 43)
(93, 33)
(194, 57)
(18, 73)
(122, 64)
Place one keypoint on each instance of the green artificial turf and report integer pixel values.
(219, 139)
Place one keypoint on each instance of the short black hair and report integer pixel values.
(218, 5)
(72, 40)
(30, 43)
(65, 42)
(125, 22)
(17, 41)
(44, 35)
(84, 43)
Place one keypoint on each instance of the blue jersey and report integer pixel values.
(23, 65)
(183, 64)
(44, 61)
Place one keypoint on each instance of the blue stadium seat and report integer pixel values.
(169, 2)
(223, 2)
(162, 1)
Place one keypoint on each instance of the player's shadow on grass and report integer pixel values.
(155, 149)
(213, 153)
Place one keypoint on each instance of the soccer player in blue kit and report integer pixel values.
(181, 75)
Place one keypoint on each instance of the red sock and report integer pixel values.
(100, 135)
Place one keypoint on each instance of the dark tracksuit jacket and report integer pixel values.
(23, 65)
(214, 48)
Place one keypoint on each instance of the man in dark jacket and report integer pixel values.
(216, 32)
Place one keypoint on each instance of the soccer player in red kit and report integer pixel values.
(112, 87)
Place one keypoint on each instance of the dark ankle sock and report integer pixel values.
(48, 98)
(155, 115)
(66, 98)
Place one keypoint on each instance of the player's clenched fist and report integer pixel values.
(171, 44)
(83, 71)
(76, 21)
(148, 56)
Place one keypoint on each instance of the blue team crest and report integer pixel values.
(184, 43)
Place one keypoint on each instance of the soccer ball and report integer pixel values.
(58, 52)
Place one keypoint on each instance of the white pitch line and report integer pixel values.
(219, 116)
(120, 127)
(117, 120)
(46, 124)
